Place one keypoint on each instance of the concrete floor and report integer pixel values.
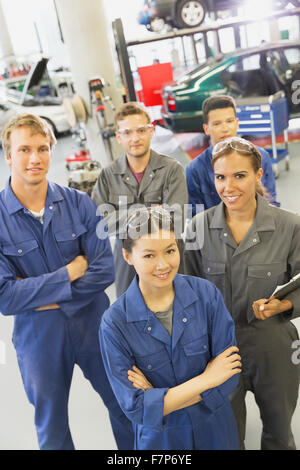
(89, 422)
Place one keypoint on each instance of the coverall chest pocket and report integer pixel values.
(156, 367)
(215, 272)
(153, 198)
(121, 201)
(264, 278)
(197, 354)
(22, 255)
(68, 241)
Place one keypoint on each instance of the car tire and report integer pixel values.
(190, 14)
(54, 130)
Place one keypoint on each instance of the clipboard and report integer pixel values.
(281, 291)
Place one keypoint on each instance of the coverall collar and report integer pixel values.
(264, 219)
(121, 166)
(263, 222)
(13, 204)
(136, 308)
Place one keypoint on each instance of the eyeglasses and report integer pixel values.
(236, 143)
(142, 215)
(141, 130)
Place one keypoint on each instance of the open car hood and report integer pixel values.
(34, 77)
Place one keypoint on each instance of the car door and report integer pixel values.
(280, 67)
(244, 77)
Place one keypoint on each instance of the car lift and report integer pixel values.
(122, 51)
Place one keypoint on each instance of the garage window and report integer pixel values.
(292, 55)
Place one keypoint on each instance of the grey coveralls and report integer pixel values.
(268, 256)
(163, 183)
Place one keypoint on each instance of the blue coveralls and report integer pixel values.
(201, 180)
(202, 328)
(49, 343)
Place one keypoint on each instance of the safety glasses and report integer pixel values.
(142, 215)
(141, 131)
(235, 143)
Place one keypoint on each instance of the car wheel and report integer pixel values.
(157, 25)
(54, 130)
(190, 13)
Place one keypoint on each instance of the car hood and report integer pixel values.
(34, 77)
(195, 73)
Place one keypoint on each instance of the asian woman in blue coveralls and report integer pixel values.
(169, 347)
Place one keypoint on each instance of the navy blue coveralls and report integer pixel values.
(202, 328)
(49, 343)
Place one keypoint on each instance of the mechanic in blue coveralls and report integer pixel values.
(220, 122)
(169, 346)
(53, 273)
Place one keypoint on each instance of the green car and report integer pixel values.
(257, 71)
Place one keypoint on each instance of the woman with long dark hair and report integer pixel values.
(168, 346)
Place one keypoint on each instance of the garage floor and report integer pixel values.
(89, 422)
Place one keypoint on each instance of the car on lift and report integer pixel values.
(37, 96)
(178, 13)
(186, 13)
(258, 71)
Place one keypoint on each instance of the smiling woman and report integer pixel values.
(178, 399)
(247, 248)
(244, 177)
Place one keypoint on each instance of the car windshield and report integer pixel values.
(201, 70)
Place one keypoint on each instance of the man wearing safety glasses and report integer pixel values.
(140, 176)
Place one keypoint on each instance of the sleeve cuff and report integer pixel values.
(60, 285)
(212, 399)
(154, 406)
(295, 311)
(65, 280)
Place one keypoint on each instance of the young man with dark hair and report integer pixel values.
(220, 122)
(140, 176)
(53, 273)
